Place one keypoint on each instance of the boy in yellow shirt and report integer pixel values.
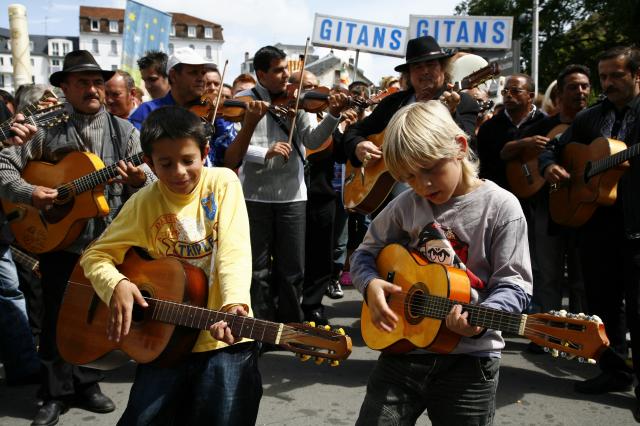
(198, 215)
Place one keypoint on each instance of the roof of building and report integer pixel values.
(328, 62)
(40, 42)
(177, 18)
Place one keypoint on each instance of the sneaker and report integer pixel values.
(605, 382)
(334, 290)
(345, 278)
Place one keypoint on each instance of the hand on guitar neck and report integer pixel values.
(450, 98)
(21, 130)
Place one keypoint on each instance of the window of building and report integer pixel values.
(191, 31)
(208, 50)
(55, 62)
(208, 32)
(1, 80)
(172, 32)
(95, 25)
(30, 46)
(94, 46)
(114, 67)
(113, 26)
(1, 61)
(170, 48)
(192, 46)
(114, 47)
(65, 48)
(33, 64)
(55, 49)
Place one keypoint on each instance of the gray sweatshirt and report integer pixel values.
(489, 232)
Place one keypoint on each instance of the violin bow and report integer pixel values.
(295, 109)
(215, 110)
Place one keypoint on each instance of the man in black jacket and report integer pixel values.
(609, 242)
(426, 63)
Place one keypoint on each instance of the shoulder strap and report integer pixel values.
(116, 137)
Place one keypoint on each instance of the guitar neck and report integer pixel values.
(203, 319)
(24, 259)
(604, 164)
(90, 181)
(438, 308)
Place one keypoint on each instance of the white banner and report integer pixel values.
(354, 34)
(481, 32)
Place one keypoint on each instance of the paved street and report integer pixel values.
(534, 389)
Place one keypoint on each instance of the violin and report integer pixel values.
(231, 109)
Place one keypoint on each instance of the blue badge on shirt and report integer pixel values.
(209, 206)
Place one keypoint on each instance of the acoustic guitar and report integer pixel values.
(46, 117)
(522, 173)
(595, 170)
(430, 290)
(167, 330)
(365, 188)
(79, 178)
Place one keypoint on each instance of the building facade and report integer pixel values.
(47, 54)
(101, 34)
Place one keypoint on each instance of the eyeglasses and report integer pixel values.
(513, 91)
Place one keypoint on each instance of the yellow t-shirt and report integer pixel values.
(207, 228)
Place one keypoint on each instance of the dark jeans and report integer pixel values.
(319, 251)
(60, 378)
(632, 300)
(277, 248)
(220, 387)
(454, 389)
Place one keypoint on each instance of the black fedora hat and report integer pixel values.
(420, 49)
(78, 61)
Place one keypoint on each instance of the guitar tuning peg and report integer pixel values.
(340, 331)
(563, 354)
(326, 327)
(553, 312)
(304, 357)
(591, 361)
(319, 360)
(312, 323)
(562, 313)
(581, 315)
(334, 363)
(596, 319)
(554, 353)
(581, 360)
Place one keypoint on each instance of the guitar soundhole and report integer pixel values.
(57, 212)
(138, 313)
(415, 303)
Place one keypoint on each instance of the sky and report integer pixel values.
(250, 24)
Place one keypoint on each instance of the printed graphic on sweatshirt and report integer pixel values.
(209, 206)
(442, 245)
(184, 237)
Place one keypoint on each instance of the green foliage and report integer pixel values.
(570, 31)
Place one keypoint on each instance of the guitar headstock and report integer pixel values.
(49, 117)
(320, 342)
(488, 72)
(568, 335)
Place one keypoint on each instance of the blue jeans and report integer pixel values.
(19, 354)
(220, 387)
(454, 389)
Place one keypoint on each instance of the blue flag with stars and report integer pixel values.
(145, 29)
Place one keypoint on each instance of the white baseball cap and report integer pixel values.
(186, 55)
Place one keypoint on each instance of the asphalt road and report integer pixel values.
(533, 389)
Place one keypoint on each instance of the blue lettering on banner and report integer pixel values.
(480, 32)
(498, 28)
(378, 37)
(395, 37)
(351, 26)
(436, 33)
(423, 28)
(325, 29)
(463, 34)
(448, 24)
(363, 38)
(339, 32)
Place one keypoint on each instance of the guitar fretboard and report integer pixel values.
(90, 181)
(24, 259)
(605, 164)
(202, 318)
(438, 308)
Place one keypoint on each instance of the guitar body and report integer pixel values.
(41, 231)
(573, 203)
(522, 173)
(416, 277)
(82, 322)
(365, 188)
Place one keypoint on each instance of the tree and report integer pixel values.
(570, 31)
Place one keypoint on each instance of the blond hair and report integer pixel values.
(424, 132)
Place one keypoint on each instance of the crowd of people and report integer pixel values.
(256, 202)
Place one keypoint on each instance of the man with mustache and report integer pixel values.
(90, 128)
(550, 243)
(609, 243)
(425, 63)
